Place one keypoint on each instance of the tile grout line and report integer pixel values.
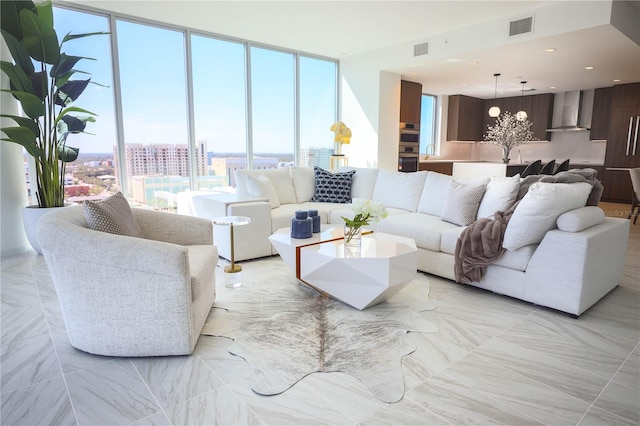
(593, 403)
(146, 385)
(55, 350)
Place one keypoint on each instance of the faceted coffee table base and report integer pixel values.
(384, 264)
(358, 282)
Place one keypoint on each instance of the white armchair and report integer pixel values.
(126, 296)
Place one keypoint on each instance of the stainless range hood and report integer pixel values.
(568, 114)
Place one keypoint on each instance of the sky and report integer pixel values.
(154, 89)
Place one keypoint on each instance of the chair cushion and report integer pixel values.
(202, 264)
(461, 203)
(332, 187)
(112, 215)
(261, 186)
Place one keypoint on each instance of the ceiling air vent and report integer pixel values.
(421, 49)
(521, 26)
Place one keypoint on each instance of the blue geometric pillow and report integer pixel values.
(332, 187)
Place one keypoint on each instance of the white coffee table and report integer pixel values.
(384, 265)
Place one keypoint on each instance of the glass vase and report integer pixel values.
(352, 237)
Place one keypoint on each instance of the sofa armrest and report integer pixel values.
(570, 271)
(175, 229)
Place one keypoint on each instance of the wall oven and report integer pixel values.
(409, 147)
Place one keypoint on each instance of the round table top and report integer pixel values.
(232, 220)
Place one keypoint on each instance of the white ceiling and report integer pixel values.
(352, 29)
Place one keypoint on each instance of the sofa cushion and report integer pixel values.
(332, 187)
(449, 239)
(501, 193)
(280, 178)
(517, 259)
(363, 182)
(281, 216)
(304, 183)
(399, 190)
(462, 202)
(539, 209)
(425, 229)
(579, 219)
(435, 190)
(261, 186)
(112, 215)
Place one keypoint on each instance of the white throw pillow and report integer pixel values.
(462, 202)
(304, 183)
(363, 182)
(261, 186)
(501, 193)
(436, 187)
(399, 190)
(539, 210)
(280, 178)
(579, 219)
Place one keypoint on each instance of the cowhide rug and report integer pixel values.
(285, 331)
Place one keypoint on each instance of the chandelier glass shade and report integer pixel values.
(494, 111)
(522, 114)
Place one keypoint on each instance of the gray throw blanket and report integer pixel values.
(481, 243)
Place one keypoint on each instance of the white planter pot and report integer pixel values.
(30, 217)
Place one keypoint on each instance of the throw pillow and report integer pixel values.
(112, 215)
(304, 183)
(538, 211)
(435, 190)
(461, 203)
(580, 219)
(399, 190)
(332, 187)
(500, 195)
(261, 186)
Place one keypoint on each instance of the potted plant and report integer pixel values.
(509, 132)
(41, 81)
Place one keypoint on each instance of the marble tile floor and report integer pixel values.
(495, 360)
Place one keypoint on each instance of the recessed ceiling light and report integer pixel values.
(589, 68)
(551, 49)
(474, 63)
(552, 87)
(617, 80)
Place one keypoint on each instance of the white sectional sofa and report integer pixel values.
(560, 254)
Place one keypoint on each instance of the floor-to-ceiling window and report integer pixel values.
(317, 111)
(219, 97)
(154, 112)
(186, 109)
(272, 107)
(92, 175)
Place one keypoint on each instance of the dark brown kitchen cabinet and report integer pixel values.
(601, 110)
(623, 142)
(410, 101)
(539, 109)
(465, 118)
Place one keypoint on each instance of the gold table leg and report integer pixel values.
(233, 267)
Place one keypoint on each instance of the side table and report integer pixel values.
(233, 272)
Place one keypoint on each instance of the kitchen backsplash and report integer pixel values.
(573, 145)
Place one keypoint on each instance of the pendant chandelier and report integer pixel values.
(494, 111)
(522, 114)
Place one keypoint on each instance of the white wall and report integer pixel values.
(13, 194)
